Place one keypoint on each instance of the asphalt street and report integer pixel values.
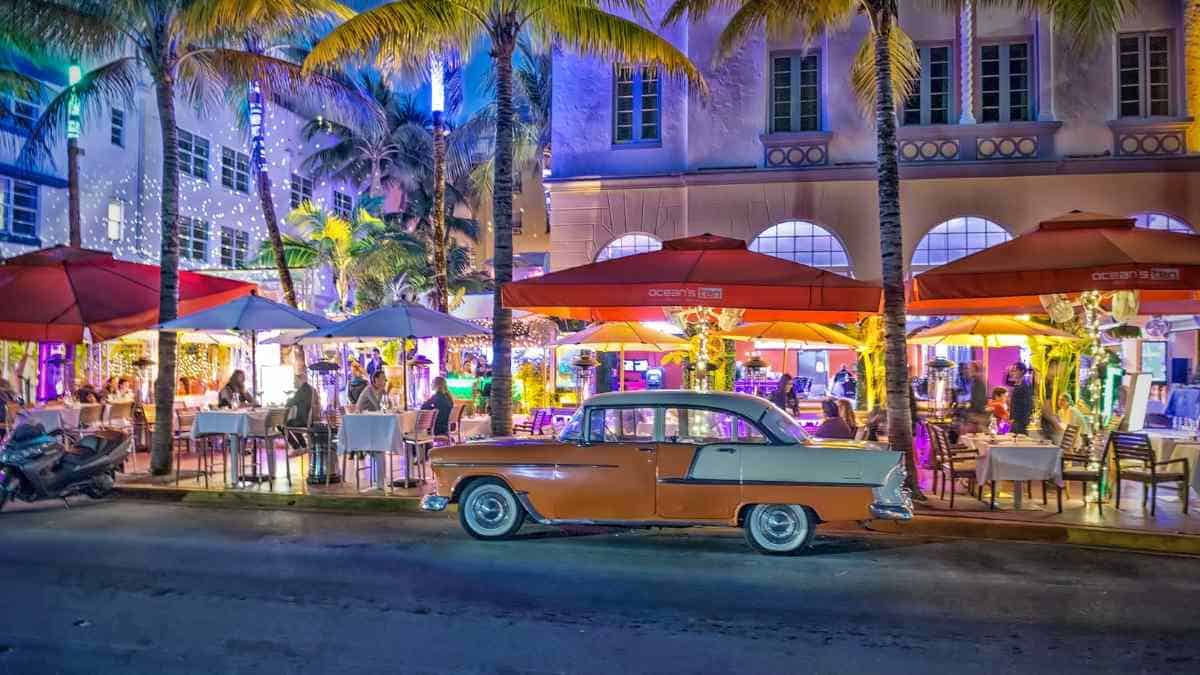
(133, 587)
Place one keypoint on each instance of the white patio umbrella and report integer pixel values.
(247, 315)
(400, 321)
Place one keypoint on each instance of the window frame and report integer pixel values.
(9, 187)
(638, 96)
(1005, 76)
(116, 127)
(796, 59)
(188, 241)
(20, 124)
(189, 167)
(338, 209)
(635, 247)
(923, 92)
(767, 437)
(655, 433)
(846, 269)
(109, 221)
(913, 265)
(235, 169)
(300, 186)
(1143, 86)
(235, 237)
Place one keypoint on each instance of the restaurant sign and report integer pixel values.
(686, 293)
(1155, 274)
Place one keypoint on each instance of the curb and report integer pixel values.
(966, 527)
(265, 500)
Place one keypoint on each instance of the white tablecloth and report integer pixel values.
(240, 423)
(1015, 459)
(374, 432)
(1168, 447)
(54, 419)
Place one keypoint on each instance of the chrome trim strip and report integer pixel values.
(793, 483)
(523, 465)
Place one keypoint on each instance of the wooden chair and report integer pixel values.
(265, 442)
(420, 442)
(1083, 467)
(952, 464)
(533, 423)
(1135, 461)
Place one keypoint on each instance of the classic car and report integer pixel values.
(672, 458)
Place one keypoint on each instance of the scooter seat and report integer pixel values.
(100, 441)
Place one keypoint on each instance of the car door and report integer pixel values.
(609, 476)
(708, 441)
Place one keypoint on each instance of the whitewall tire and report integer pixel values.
(489, 510)
(780, 529)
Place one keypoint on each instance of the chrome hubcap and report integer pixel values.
(490, 510)
(778, 524)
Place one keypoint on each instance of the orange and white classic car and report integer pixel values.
(672, 458)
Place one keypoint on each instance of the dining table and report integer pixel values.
(379, 434)
(1179, 446)
(235, 425)
(58, 417)
(1015, 458)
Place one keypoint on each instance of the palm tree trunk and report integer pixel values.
(441, 291)
(74, 221)
(900, 431)
(502, 254)
(1191, 53)
(168, 298)
(266, 200)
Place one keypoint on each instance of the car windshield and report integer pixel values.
(783, 426)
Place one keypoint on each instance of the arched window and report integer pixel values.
(803, 242)
(1161, 221)
(628, 244)
(954, 239)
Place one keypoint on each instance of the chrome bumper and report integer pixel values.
(434, 503)
(891, 511)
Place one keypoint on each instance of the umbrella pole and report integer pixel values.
(404, 371)
(621, 369)
(254, 366)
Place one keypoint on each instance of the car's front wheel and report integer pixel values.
(780, 529)
(489, 510)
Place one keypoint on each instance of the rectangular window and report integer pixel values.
(701, 426)
(637, 103)
(117, 127)
(193, 239)
(115, 220)
(343, 206)
(19, 114)
(235, 245)
(19, 200)
(796, 92)
(621, 425)
(930, 102)
(235, 169)
(302, 190)
(193, 154)
(1144, 74)
(1004, 83)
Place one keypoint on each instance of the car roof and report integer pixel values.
(742, 404)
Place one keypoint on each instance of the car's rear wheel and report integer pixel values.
(780, 529)
(489, 510)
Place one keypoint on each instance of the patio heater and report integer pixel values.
(585, 367)
(418, 384)
(143, 366)
(940, 376)
(754, 366)
(322, 457)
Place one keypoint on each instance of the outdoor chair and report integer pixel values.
(952, 463)
(120, 415)
(420, 441)
(1083, 467)
(185, 444)
(454, 424)
(527, 427)
(1135, 461)
(265, 442)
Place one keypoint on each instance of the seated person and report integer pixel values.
(303, 407)
(833, 426)
(234, 393)
(443, 403)
(358, 382)
(998, 404)
(87, 394)
(371, 398)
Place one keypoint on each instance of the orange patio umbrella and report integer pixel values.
(1073, 253)
(701, 271)
(617, 336)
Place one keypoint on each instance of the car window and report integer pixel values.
(621, 425)
(700, 426)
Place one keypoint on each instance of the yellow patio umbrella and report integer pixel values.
(987, 332)
(794, 334)
(617, 336)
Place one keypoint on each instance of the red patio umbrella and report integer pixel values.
(56, 293)
(1073, 253)
(701, 271)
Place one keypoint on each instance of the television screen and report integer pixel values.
(637, 365)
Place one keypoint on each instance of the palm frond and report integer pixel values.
(1085, 21)
(75, 28)
(111, 83)
(296, 253)
(583, 26)
(202, 19)
(397, 36)
(16, 83)
(906, 69)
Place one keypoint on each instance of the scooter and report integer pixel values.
(35, 465)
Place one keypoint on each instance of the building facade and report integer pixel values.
(1010, 124)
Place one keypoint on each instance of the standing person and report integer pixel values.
(371, 398)
(375, 362)
(234, 393)
(783, 396)
(358, 382)
(1021, 406)
(442, 402)
(976, 416)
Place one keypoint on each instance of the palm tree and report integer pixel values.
(886, 65)
(328, 239)
(177, 44)
(405, 33)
